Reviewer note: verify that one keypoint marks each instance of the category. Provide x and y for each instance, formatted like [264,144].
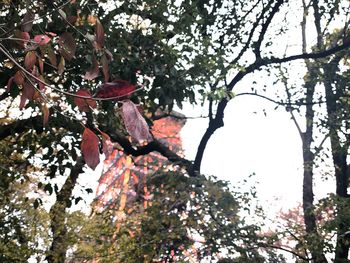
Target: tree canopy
[80,79]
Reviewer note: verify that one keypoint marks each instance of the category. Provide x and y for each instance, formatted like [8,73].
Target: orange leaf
[90,148]
[84,104]
[21,35]
[41,65]
[30,60]
[93,71]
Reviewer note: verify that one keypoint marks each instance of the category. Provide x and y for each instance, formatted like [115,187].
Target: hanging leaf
[19,77]
[100,34]
[61,66]
[46,113]
[135,124]
[52,56]
[84,104]
[41,65]
[105,68]
[93,71]
[9,84]
[90,148]
[21,35]
[27,22]
[118,89]
[67,45]
[42,40]
[28,92]
[30,60]
[41,84]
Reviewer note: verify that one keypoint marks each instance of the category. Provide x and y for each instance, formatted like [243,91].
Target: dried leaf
[61,66]
[42,40]
[100,34]
[117,89]
[46,112]
[67,45]
[135,124]
[84,104]
[30,60]
[90,148]
[93,71]
[27,22]
[105,68]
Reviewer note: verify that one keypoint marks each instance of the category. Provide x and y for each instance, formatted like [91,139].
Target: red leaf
[19,77]
[67,45]
[100,34]
[89,148]
[30,60]
[84,104]
[105,68]
[27,21]
[117,89]
[21,35]
[9,84]
[135,124]
[42,39]
[93,71]
[28,93]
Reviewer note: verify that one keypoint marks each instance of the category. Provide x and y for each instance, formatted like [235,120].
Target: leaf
[67,45]
[84,104]
[19,77]
[100,34]
[46,113]
[93,71]
[61,65]
[105,68]
[9,84]
[52,56]
[42,40]
[41,65]
[21,35]
[90,149]
[27,22]
[107,146]
[30,60]
[135,124]
[117,89]
[28,92]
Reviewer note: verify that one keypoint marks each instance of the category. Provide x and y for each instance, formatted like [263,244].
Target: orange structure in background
[123,178]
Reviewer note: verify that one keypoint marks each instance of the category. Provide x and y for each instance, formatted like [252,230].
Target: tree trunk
[59,245]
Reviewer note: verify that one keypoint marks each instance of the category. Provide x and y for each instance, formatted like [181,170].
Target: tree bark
[60,244]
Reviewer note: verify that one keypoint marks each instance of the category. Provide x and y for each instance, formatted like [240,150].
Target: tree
[69,65]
